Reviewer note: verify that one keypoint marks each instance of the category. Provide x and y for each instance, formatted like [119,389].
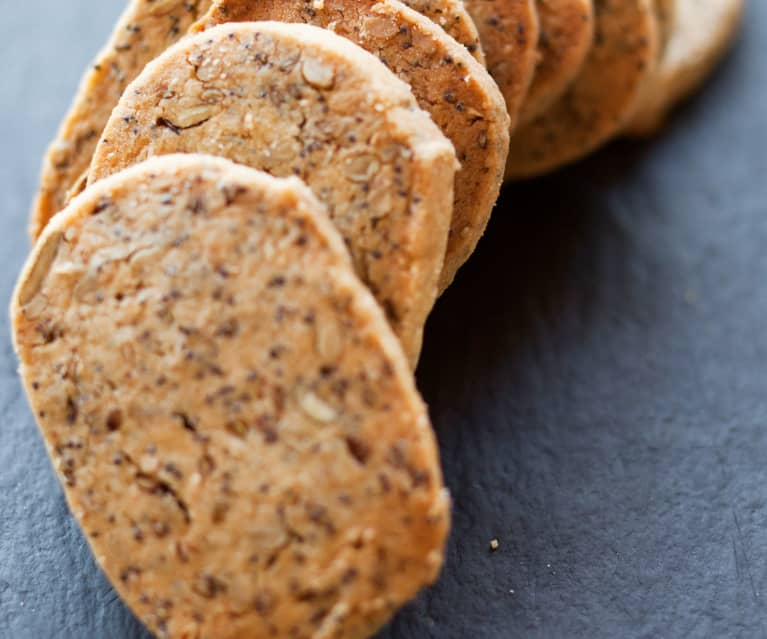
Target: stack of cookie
[242,227]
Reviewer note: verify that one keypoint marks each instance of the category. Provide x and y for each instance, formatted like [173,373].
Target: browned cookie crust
[146,29]
[567,33]
[509,31]
[233,421]
[456,90]
[293,99]
[603,96]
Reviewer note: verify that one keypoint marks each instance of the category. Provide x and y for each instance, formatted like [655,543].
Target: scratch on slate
[114,598]
[742,543]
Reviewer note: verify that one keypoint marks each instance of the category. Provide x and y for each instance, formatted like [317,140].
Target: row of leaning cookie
[509,29]
[443,72]
[573,75]
[217,387]
[233,421]
[646,56]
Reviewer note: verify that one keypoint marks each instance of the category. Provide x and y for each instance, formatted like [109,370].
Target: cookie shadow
[524,297]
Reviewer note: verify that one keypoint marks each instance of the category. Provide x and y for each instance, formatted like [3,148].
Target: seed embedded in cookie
[234,423]
[453,88]
[145,29]
[453,17]
[293,99]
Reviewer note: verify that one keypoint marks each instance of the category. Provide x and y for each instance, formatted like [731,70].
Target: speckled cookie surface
[234,423]
[293,99]
[509,32]
[601,99]
[701,32]
[146,28]
[453,17]
[453,88]
[567,33]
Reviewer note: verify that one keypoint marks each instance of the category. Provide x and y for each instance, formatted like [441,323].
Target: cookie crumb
[494,545]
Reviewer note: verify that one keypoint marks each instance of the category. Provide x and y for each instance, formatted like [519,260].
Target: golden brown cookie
[146,29]
[453,17]
[234,423]
[293,99]
[600,100]
[509,32]
[701,32]
[457,91]
[567,33]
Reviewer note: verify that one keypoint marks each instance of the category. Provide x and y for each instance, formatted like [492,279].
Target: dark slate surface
[596,378]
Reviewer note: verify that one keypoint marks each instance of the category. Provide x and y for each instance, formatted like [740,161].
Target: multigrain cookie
[509,32]
[455,89]
[234,423]
[567,33]
[293,99]
[146,29]
[701,32]
[601,99]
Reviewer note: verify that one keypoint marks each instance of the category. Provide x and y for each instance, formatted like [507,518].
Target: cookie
[234,423]
[701,33]
[293,99]
[567,33]
[455,89]
[604,95]
[665,11]
[146,29]
[452,16]
[509,31]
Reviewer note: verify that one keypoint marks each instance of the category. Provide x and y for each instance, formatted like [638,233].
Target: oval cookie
[567,33]
[458,93]
[293,99]
[600,100]
[701,32]
[234,423]
[509,32]
[146,29]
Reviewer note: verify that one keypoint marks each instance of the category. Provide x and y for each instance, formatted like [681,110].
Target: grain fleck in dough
[453,17]
[700,33]
[234,423]
[601,99]
[509,32]
[146,29]
[456,90]
[293,99]
[567,33]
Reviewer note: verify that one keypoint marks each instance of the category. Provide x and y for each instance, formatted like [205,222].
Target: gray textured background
[596,377]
